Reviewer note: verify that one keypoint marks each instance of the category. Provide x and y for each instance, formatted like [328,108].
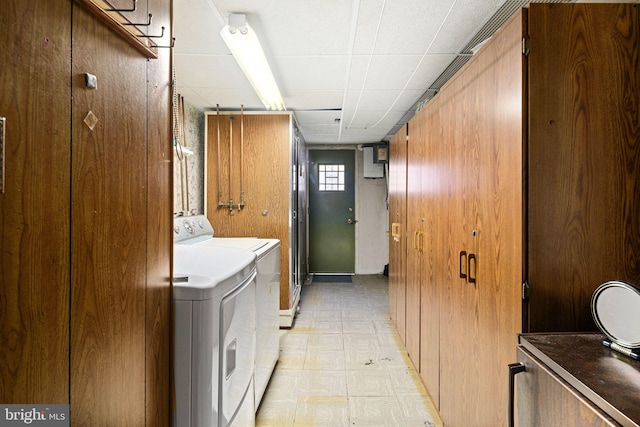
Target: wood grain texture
[415,226]
[584,158]
[109,230]
[34,209]
[267,182]
[544,399]
[158,334]
[397,214]
[470,199]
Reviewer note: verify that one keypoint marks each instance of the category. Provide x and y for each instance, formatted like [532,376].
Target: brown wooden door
[584,168]
[499,220]
[415,236]
[398,232]
[459,314]
[481,311]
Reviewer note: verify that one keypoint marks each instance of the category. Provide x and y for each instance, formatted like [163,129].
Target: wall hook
[157,37]
[143,25]
[134,7]
[173,42]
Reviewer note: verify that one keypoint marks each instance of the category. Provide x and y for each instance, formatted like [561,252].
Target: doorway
[332,211]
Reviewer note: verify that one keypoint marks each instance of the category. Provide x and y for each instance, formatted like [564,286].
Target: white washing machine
[214,336]
[197,230]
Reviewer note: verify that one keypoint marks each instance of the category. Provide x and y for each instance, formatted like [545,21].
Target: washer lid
[615,307]
[211,270]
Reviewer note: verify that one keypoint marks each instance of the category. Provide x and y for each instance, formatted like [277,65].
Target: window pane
[331,177]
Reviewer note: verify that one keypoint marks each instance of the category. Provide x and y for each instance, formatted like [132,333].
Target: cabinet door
[435,197]
[415,230]
[398,232]
[459,325]
[481,308]
[544,399]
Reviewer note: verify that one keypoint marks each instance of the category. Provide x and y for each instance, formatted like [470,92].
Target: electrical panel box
[371,169]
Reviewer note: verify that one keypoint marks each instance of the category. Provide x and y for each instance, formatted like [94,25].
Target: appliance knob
[176,229]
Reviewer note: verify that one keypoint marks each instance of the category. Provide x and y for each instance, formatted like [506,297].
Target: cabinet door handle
[514,368]
[415,235]
[470,258]
[463,254]
[421,242]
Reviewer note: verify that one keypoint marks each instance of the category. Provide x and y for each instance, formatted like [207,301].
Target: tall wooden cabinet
[398,234]
[266,177]
[523,169]
[85,215]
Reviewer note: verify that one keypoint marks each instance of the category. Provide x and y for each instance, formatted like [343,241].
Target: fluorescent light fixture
[245,48]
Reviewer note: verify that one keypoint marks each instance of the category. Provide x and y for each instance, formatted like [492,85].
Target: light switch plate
[91,81]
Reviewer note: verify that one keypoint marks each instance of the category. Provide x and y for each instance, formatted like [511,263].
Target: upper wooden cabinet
[524,168]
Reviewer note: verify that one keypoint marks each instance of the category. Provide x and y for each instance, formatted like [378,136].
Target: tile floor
[343,364]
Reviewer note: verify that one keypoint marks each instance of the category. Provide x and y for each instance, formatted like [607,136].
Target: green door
[331,211]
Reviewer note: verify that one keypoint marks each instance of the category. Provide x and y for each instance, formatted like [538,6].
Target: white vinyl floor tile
[343,364]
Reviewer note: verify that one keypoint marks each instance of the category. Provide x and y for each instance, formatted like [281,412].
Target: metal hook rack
[125,28]
[156,37]
[141,24]
[173,42]
[133,9]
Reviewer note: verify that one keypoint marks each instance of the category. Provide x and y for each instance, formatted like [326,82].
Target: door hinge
[525,290]
[525,45]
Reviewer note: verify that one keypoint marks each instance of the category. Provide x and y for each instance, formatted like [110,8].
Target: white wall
[190,169]
[372,242]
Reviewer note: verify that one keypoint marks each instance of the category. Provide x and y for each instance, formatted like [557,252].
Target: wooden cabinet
[398,231]
[267,167]
[572,379]
[510,181]
[85,290]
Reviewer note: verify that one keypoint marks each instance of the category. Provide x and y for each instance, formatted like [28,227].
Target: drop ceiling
[352,71]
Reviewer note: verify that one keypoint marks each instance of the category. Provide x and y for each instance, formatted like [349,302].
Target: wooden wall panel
[584,222]
[34,208]
[109,231]
[160,223]
[267,190]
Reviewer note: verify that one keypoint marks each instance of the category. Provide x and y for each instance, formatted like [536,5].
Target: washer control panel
[191,229]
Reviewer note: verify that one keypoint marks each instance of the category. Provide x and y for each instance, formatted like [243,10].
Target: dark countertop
[607,378]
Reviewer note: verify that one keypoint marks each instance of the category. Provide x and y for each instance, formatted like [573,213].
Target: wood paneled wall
[267,181]
[85,295]
[585,136]
[34,208]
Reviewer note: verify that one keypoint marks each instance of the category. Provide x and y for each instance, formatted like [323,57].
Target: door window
[331,177]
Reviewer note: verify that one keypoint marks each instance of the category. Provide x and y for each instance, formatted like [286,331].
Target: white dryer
[197,230]
[214,336]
